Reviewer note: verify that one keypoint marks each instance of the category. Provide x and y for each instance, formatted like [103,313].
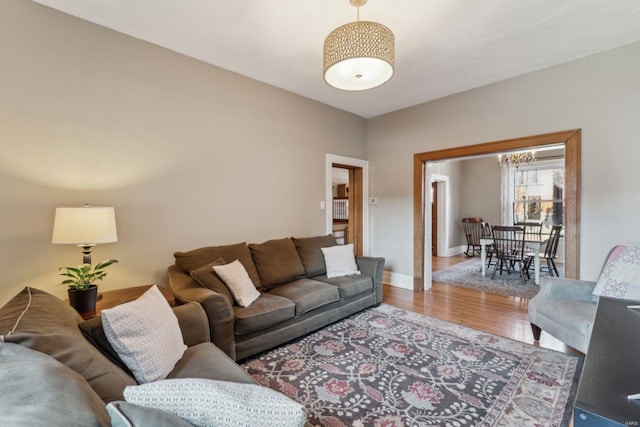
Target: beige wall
[598,94]
[189,154]
[480,192]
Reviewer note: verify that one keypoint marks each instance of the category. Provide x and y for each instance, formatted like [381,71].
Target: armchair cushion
[45,323]
[620,277]
[189,261]
[277,262]
[125,414]
[40,391]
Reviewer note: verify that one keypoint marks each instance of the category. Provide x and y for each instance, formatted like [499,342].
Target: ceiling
[442,46]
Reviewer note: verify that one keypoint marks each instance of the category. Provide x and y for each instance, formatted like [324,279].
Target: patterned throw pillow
[204,402]
[620,277]
[146,335]
[340,260]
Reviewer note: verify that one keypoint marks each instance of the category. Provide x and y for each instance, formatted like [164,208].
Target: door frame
[422,170]
[349,162]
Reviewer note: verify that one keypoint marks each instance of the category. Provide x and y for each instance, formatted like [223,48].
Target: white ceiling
[442,46]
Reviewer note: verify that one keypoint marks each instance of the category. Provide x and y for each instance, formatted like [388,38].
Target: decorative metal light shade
[359,55]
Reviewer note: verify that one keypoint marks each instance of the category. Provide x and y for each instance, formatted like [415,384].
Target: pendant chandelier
[358,55]
[517,159]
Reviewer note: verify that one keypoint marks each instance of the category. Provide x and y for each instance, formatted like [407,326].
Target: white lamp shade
[84,226]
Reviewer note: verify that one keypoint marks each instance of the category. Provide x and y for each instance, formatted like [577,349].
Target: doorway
[434,219]
[347,216]
[423,168]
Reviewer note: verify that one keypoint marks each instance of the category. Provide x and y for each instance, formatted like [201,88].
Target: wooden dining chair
[508,247]
[533,229]
[549,252]
[474,229]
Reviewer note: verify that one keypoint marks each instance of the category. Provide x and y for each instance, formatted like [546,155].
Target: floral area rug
[391,367]
[468,275]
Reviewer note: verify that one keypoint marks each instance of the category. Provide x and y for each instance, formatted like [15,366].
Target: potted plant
[81,281]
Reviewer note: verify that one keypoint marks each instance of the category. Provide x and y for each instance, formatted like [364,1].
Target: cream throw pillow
[235,276]
[340,260]
[204,402]
[146,335]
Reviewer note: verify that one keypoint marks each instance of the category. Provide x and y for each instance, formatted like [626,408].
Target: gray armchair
[564,308]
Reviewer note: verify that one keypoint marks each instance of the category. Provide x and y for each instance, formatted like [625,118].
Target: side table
[120,296]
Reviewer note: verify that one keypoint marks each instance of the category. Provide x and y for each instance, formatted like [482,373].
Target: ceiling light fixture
[517,159]
[359,55]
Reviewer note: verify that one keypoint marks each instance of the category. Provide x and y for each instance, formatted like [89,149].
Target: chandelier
[517,159]
[358,55]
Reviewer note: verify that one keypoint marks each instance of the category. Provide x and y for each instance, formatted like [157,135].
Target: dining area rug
[387,366]
[467,274]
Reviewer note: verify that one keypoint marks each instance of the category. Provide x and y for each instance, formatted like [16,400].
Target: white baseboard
[456,250]
[398,280]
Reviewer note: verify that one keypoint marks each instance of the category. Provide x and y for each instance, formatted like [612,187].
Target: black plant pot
[84,300]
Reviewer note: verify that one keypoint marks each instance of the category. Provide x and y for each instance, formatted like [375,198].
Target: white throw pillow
[204,402]
[235,276]
[340,260]
[146,335]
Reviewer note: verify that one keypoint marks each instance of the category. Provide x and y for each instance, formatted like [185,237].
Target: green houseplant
[81,281]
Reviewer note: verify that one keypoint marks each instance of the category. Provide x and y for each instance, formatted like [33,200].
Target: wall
[480,191]
[598,94]
[189,154]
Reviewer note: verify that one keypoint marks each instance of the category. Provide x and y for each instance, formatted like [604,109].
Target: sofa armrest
[216,306]
[193,322]
[571,289]
[374,267]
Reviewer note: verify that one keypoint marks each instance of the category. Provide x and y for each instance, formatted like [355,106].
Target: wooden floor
[498,314]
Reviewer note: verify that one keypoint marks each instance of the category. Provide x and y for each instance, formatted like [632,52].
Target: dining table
[532,242]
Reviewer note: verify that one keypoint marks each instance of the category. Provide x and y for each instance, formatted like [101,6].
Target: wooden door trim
[571,140]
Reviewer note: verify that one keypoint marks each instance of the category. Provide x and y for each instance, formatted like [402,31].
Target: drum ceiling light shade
[359,55]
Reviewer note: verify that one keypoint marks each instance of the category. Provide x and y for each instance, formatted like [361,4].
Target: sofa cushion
[125,414]
[146,335]
[50,326]
[40,391]
[266,311]
[208,278]
[340,260]
[277,262]
[189,261]
[349,286]
[235,276]
[309,249]
[308,294]
[205,360]
[204,402]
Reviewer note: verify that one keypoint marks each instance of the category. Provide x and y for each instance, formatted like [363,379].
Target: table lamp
[84,226]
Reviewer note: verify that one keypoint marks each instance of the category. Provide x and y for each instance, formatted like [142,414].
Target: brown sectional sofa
[296,296]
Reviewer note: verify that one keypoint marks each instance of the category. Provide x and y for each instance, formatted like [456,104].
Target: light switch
[323,206]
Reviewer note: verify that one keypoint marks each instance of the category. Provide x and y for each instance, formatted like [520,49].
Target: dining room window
[539,193]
